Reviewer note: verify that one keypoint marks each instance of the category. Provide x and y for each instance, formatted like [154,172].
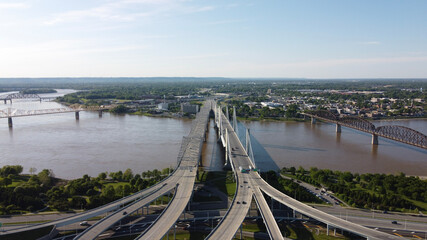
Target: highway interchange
[181,183]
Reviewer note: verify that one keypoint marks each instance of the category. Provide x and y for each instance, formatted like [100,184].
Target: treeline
[131,92]
[39,90]
[43,190]
[379,191]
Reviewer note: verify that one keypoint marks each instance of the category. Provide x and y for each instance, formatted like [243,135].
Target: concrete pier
[313,120]
[77,115]
[374,139]
[338,128]
[5,101]
[100,113]
[9,120]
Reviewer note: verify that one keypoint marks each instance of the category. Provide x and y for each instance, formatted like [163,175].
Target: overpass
[397,133]
[249,186]
[255,186]
[181,181]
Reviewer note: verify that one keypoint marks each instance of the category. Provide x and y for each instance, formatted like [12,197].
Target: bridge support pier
[327,229]
[313,120]
[5,101]
[338,128]
[100,113]
[374,139]
[77,115]
[9,121]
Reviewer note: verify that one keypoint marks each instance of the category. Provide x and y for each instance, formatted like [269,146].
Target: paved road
[241,159]
[317,214]
[182,180]
[88,214]
[233,219]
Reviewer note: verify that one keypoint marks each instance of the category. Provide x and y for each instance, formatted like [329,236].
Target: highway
[91,213]
[189,156]
[317,214]
[185,184]
[239,157]
[182,180]
[234,217]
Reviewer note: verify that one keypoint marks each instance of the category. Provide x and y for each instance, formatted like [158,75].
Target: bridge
[10,113]
[397,133]
[19,95]
[181,183]
[251,185]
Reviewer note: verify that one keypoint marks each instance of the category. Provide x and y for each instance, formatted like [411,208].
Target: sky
[214,38]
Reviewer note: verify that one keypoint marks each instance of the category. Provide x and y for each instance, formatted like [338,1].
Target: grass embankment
[379,191]
[34,234]
[224,181]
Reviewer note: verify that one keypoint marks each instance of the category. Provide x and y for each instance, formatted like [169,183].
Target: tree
[128,175]
[291,111]
[45,177]
[102,176]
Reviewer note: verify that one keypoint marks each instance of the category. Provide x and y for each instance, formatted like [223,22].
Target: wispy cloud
[68,47]
[226,22]
[13,5]
[127,11]
[203,56]
[370,43]
[349,61]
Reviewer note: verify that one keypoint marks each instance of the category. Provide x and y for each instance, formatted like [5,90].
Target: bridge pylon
[338,128]
[9,121]
[313,120]
[235,121]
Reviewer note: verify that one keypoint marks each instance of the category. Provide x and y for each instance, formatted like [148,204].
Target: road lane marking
[397,234]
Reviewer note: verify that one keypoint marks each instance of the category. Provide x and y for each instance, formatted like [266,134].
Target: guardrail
[160,215]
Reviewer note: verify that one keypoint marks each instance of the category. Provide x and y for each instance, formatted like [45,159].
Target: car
[245,181]
[84,223]
[385,211]
[238,202]
[393,222]
[244,202]
[124,213]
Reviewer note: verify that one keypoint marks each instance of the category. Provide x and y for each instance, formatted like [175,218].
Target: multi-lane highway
[231,222]
[184,174]
[182,180]
[255,181]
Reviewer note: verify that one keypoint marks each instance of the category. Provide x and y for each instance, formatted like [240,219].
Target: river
[302,144]
[92,144]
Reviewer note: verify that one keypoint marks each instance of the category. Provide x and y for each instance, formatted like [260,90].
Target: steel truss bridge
[11,96]
[181,183]
[397,133]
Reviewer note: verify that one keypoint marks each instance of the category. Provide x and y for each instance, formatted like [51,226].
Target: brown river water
[92,145]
